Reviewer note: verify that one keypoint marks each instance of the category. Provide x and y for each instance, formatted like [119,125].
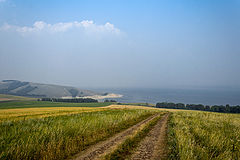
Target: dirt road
[154,145]
[105,147]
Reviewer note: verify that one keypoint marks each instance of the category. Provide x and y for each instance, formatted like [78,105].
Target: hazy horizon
[122,44]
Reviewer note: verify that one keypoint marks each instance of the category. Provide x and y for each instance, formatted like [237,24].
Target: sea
[186,96]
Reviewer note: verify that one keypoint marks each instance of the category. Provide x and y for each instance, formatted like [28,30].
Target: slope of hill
[30,89]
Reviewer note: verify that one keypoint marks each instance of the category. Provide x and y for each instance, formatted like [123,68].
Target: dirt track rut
[154,145]
[105,147]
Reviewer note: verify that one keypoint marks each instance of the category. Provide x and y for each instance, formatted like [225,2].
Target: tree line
[214,108]
[70,100]
[106,100]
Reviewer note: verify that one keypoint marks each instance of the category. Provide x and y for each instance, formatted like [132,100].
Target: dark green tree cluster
[106,100]
[215,108]
[71,100]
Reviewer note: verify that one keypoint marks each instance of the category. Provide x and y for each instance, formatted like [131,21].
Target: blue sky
[138,43]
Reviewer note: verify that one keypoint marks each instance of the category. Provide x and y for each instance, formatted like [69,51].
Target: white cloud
[39,26]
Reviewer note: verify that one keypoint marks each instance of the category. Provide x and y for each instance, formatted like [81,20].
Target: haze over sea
[187,96]
[126,44]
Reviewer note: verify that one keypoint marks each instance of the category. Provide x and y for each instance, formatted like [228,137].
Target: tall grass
[204,135]
[27,113]
[63,136]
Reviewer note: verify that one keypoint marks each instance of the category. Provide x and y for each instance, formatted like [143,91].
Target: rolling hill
[38,90]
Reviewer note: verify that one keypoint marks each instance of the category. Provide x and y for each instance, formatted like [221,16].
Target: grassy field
[59,137]
[23,110]
[204,135]
[39,104]
[30,113]
[139,104]
[5,97]
[48,130]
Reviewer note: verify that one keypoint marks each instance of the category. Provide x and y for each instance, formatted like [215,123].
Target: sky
[120,43]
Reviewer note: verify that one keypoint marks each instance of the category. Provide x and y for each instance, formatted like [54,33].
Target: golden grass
[130,107]
[148,108]
[193,134]
[60,137]
[26,113]
[201,135]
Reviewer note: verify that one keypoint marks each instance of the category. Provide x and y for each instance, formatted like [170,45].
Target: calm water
[207,97]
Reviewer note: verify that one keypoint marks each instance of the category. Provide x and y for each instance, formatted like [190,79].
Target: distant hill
[38,90]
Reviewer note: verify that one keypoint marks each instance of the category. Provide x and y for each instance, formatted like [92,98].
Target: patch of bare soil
[105,147]
[154,145]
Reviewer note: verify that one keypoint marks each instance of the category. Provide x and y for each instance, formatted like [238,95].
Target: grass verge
[172,140]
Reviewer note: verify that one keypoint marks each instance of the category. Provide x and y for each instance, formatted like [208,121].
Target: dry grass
[204,135]
[59,132]
[130,107]
[27,113]
[58,137]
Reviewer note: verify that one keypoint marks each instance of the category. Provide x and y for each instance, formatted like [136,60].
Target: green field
[204,135]
[38,104]
[5,97]
[63,136]
[139,104]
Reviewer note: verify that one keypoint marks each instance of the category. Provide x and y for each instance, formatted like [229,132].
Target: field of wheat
[61,136]
[29,113]
[204,135]
[42,130]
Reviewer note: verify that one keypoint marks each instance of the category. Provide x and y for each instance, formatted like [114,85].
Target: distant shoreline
[110,95]
[100,97]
